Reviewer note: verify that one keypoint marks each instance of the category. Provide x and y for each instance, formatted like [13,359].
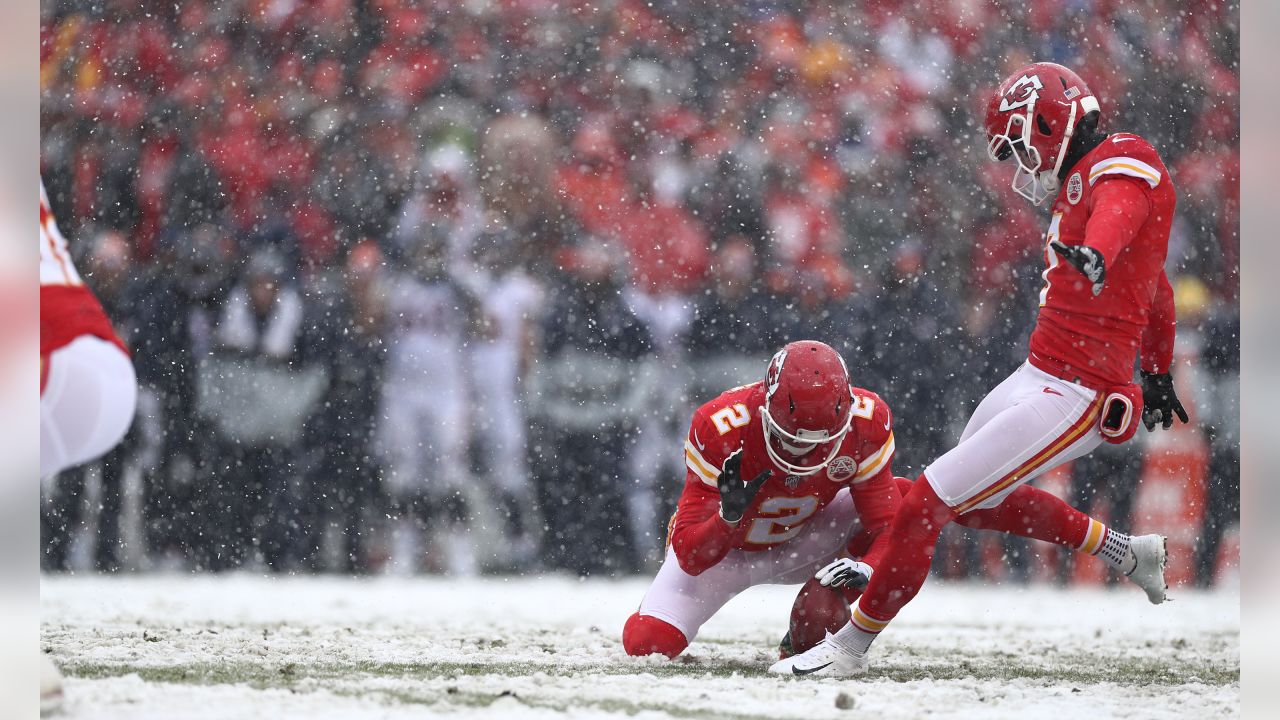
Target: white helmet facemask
[1029,180]
[801,443]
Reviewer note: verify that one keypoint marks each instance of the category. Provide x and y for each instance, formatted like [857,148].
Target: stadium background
[667,191]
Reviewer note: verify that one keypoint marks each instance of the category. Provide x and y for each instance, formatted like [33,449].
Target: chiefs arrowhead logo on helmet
[808,406]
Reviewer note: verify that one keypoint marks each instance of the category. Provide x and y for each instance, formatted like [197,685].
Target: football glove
[1159,402]
[1085,259]
[736,495]
[845,572]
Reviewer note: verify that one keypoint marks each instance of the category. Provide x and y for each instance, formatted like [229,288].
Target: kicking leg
[1033,513]
[1045,421]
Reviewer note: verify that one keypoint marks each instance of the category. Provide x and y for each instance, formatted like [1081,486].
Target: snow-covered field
[142,647]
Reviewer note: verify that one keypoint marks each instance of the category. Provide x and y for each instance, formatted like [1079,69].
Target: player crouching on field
[784,478]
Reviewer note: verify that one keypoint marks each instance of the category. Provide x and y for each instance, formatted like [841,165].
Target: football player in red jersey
[87,384]
[786,477]
[1106,302]
[782,475]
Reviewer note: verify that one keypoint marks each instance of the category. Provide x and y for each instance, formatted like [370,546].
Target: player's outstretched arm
[1088,261]
[1159,401]
[1117,211]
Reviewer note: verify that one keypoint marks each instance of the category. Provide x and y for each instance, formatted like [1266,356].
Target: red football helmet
[1031,118]
[808,406]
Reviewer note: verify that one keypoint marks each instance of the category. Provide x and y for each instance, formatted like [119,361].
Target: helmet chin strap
[1066,140]
[1038,185]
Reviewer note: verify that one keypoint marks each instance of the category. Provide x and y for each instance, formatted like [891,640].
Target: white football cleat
[825,659]
[1148,572]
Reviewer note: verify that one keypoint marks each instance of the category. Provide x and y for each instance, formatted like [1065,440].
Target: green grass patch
[1056,670]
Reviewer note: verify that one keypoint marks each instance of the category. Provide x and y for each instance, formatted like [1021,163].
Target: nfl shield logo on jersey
[1075,188]
[793,481]
[842,468]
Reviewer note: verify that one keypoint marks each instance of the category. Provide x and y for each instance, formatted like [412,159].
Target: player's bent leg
[913,537]
[913,540]
[647,635]
[1033,513]
[1028,511]
[686,602]
[87,403]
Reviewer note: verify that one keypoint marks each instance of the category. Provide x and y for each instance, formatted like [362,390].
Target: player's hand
[845,572]
[736,495]
[1159,402]
[1085,259]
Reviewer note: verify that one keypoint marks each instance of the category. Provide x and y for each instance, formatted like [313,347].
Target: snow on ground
[240,646]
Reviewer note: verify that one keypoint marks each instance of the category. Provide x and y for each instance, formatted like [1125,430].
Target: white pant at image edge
[87,403]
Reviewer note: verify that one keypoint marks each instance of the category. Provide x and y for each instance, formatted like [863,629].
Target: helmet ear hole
[1089,123]
[1043,126]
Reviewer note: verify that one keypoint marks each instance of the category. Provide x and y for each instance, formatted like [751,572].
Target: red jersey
[1119,200]
[67,308]
[785,502]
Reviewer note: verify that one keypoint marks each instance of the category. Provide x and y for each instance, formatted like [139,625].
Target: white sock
[1115,551]
[854,639]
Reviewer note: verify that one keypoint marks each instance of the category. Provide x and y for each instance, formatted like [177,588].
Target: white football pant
[1029,424]
[687,601]
[87,404]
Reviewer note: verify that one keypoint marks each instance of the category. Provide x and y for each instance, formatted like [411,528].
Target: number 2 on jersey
[731,417]
[788,516]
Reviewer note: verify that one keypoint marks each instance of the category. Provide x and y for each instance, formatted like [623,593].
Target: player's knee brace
[647,635]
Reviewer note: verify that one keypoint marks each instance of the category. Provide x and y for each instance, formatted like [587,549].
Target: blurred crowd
[434,286]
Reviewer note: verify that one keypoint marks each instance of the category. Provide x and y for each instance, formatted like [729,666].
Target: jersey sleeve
[1157,340]
[1122,178]
[1126,155]
[874,494]
[874,424]
[695,459]
[1118,209]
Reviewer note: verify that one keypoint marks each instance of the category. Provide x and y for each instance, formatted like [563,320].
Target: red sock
[1033,513]
[905,564]
[646,635]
